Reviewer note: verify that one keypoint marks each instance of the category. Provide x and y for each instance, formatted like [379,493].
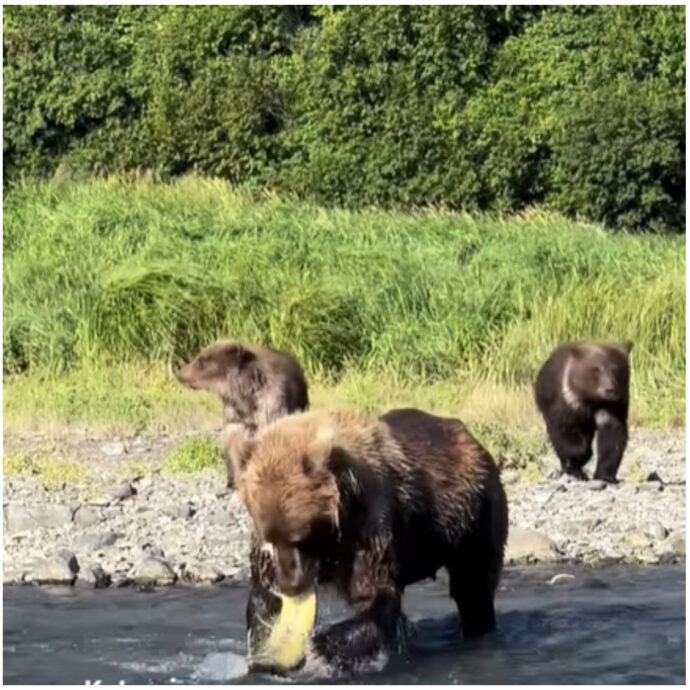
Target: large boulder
[527,546]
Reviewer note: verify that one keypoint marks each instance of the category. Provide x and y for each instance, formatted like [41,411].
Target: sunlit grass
[107,282]
[194,455]
[50,471]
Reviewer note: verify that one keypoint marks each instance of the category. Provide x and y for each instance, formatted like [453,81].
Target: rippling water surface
[612,625]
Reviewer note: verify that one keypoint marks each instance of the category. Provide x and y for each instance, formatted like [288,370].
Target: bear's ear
[234,356]
[576,352]
[240,445]
[627,346]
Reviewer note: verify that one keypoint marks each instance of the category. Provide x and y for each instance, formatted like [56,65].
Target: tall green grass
[124,271]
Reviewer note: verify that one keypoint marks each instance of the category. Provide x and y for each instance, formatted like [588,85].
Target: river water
[621,624]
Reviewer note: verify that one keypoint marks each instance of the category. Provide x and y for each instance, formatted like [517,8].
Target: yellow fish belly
[287,643]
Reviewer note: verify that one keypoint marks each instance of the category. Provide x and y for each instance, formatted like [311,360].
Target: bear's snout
[296,572]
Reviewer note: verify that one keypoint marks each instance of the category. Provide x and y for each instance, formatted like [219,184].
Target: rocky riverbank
[130,522]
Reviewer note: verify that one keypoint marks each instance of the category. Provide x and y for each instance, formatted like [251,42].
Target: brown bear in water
[373,506]
[257,385]
[583,389]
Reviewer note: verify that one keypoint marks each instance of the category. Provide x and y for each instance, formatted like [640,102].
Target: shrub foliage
[474,107]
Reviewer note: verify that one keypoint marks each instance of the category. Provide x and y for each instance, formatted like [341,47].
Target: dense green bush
[70,84]
[620,156]
[371,92]
[216,105]
[475,107]
[121,271]
[575,117]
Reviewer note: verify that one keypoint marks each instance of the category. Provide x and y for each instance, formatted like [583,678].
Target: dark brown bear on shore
[372,506]
[256,386]
[583,389]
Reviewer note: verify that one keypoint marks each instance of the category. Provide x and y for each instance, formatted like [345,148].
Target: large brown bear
[256,385]
[372,506]
[583,389]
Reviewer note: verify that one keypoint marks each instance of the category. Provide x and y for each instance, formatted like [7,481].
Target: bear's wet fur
[583,389]
[372,506]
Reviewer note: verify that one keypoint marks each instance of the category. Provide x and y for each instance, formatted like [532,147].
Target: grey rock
[20,518]
[93,577]
[124,491]
[565,481]
[509,477]
[241,571]
[647,557]
[673,545]
[121,580]
[113,449]
[219,516]
[598,500]
[97,540]
[527,546]
[12,575]
[70,559]
[651,486]
[138,445]
[100,501]
[154,571]
[201,571]
[113,512]
[596,485]
[153,551]
[657,531]
[637,541]
[86,517]
[51,571]
[180,511]
[582,526]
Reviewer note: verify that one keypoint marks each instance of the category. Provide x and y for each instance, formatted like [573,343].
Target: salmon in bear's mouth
[279,630]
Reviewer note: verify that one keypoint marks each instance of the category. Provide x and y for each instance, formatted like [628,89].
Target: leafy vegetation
[194,455]
[52,472]
[107,283]
[489,108]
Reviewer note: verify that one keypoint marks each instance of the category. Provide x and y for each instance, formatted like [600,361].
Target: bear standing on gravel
[372,506]
[256,386]
[583,389]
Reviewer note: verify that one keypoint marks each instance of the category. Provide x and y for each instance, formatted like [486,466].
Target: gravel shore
[141,527]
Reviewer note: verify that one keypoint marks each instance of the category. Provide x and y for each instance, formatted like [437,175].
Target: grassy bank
[106,282]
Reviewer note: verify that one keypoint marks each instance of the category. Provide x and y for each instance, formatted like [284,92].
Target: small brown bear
[583,389]
[256,386]
[372,506]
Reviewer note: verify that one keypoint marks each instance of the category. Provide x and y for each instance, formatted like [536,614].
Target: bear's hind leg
[473,581]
